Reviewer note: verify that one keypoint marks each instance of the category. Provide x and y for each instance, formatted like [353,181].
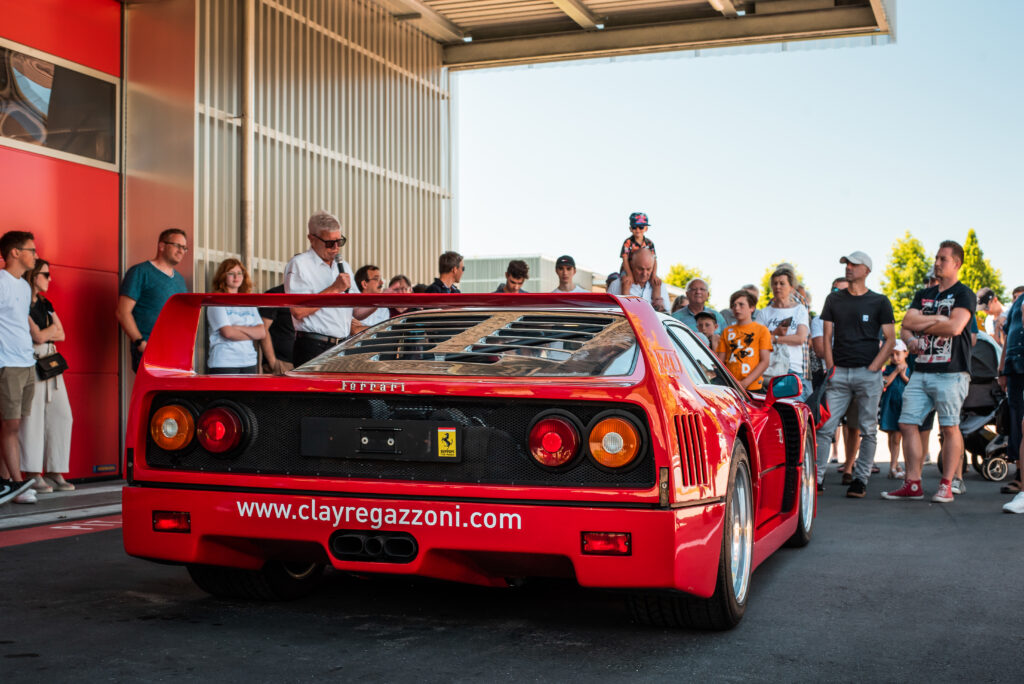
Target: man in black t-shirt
[940,319]
[854,319]
[450,269]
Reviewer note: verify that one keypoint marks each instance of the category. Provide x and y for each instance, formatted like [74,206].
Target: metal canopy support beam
[578,12]
[425,19]
[841,21]
[880,15]
[726,7]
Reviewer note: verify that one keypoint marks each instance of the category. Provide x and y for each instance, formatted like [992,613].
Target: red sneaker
[910,491]
[945,493]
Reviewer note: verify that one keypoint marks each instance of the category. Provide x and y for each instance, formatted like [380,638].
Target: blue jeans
[1015,402]
[848,385]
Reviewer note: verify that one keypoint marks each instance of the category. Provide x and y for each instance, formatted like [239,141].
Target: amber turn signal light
[614,442]
[172,427]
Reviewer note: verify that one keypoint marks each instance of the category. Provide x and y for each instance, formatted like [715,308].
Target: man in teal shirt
[147,287]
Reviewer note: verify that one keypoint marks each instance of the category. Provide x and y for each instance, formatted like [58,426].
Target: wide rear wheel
[275,581]
[723,609]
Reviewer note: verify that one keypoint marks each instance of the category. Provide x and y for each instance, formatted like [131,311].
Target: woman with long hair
[233,329]
[45,434]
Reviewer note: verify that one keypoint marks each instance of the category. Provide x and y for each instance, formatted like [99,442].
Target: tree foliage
[680,274]
[905,273]
[766,282]
[977,271]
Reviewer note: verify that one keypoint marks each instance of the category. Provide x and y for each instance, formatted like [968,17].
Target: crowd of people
[850,353]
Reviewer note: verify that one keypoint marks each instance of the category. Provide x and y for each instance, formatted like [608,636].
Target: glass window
[709,366]
[55,107]
[688,365]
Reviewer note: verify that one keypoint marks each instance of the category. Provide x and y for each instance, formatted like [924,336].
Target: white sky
[742,160]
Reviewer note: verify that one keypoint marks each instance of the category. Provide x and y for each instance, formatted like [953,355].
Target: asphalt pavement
[885,592]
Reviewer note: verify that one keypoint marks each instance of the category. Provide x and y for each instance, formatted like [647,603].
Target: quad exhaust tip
[373,547]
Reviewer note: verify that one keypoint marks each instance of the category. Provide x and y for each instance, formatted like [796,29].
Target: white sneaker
[958,486]
[1016,504]
[26,497]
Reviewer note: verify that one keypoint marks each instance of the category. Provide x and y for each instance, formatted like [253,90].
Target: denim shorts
[944,392]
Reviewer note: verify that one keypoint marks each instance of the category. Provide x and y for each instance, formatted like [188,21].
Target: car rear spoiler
[172,344]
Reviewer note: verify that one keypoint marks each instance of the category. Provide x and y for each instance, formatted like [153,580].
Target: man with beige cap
[854,321]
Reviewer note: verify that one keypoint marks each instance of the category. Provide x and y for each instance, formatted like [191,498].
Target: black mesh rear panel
[493,452]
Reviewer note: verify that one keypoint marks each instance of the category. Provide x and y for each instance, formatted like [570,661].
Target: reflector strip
[607,543]
[172,521]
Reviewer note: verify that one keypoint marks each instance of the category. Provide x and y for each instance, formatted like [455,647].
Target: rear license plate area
[389,440]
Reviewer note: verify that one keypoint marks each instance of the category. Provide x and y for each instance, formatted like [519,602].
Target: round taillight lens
[219,429]
[553,442]
[172,427]
[614,442]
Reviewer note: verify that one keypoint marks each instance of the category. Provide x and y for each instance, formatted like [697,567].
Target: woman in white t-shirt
[787,320]
[233,329]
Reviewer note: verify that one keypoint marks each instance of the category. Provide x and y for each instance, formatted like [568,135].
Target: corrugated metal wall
[351,116]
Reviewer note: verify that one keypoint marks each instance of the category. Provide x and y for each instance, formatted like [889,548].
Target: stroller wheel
[995,469]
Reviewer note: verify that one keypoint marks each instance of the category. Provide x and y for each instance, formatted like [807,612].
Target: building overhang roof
[484,33]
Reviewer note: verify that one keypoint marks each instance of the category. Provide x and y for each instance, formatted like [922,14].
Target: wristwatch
[136,343]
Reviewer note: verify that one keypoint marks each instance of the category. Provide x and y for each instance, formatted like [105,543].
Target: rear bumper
[475,542]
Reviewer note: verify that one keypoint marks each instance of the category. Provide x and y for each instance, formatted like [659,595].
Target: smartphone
[786,322]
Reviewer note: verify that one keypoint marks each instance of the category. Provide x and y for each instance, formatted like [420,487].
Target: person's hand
[343,282]
[874,367]
[655,281]
[142,346]
[780,331]
[1002,382]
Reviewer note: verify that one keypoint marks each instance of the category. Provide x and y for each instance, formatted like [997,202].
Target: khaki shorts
[17,387]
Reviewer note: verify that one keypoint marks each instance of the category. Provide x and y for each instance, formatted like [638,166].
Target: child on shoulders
[638,225]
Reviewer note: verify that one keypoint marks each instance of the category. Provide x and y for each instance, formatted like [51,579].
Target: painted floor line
[58,516]
[65,528]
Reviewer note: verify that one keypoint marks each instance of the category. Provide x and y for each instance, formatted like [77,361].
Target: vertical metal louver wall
[351,115]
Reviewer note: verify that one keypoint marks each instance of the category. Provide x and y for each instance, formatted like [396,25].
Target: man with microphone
[321,270]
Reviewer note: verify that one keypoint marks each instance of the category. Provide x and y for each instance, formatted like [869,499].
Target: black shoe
[821,487]
[847,478]
[10,489]
[857,489]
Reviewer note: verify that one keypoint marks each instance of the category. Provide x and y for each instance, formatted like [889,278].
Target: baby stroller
[984,416]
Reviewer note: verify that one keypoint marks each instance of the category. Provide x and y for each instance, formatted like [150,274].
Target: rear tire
[723,609]
[808,496]
[275,581]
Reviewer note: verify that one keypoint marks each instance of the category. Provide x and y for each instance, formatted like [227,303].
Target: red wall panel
[85,301]
[95,432]
[86,32]
[71,208]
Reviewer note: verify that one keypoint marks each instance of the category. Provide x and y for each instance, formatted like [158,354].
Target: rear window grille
[500,342]
[692,453]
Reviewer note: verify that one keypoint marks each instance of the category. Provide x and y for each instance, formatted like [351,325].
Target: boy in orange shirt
[745,348]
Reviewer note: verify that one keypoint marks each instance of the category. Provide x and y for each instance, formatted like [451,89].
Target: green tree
[905,273]
[977,271]
[766,282]
[680,274]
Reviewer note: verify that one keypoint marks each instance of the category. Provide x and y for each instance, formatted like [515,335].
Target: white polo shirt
[15,340]
[307,272]
[379,315]
[646,291]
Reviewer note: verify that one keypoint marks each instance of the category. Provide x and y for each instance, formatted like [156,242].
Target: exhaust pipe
[374,547]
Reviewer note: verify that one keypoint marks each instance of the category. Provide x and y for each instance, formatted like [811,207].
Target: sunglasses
[45,274]
[331,244]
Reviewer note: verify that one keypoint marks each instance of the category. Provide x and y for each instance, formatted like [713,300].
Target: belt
[319,338]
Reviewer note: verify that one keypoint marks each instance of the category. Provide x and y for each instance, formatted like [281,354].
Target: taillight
[554,441]
[219,429]
[172,427]
[614,442]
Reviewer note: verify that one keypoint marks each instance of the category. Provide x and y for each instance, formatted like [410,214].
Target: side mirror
[783,387]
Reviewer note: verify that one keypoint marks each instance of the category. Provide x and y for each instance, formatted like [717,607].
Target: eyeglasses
[27,249]
[331,244]
[45,274]
[183,248]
